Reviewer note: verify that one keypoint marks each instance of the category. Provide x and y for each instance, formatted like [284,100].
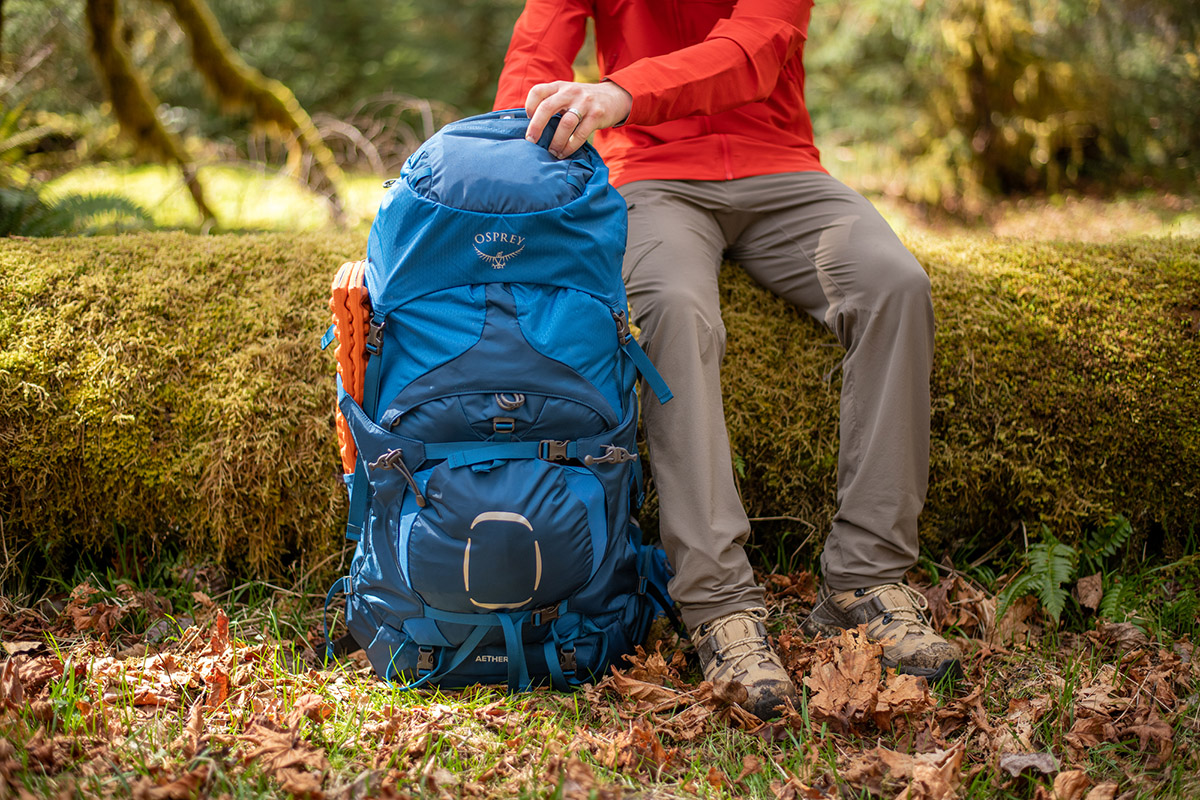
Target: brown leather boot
[735,648]
[895,617]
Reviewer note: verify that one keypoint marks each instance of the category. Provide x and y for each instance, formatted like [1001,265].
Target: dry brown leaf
[795,789]
[877,769]
[639,747]
[314,706]
[22,648]
[163,786]
[1103,791]
[220,638]
[689,724]
[716,779]
[1087,732]
[1016,763]
[1014,626]
[846,685]
[1125,636]
[1070,785]
[935,776]
[641,691]
[1152,730]
[1089,591]
[12,691]
[751,765]
[901,695]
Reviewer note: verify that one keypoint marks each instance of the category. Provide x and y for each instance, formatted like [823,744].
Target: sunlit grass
[242,198]
[245,198]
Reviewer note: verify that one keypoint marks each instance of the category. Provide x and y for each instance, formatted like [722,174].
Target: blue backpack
[497,473]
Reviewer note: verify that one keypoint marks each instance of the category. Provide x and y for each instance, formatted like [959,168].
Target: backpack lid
[477,204]
[488,166]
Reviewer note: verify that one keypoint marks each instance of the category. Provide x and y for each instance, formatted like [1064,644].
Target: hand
[585,107]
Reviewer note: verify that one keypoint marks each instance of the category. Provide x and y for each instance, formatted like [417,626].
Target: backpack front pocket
[519,535]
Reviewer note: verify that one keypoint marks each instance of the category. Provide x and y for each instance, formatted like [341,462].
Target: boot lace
[725,652]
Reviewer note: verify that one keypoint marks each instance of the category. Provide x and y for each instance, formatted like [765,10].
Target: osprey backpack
[487,417]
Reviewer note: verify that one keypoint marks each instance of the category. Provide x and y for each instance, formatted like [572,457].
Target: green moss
[170,386]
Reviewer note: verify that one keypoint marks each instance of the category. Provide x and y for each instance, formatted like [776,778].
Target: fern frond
[91,213]
[1051,564]
[1110,538]
[1019,587]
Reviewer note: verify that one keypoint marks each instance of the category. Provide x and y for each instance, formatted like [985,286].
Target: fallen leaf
[1125,636]
[314,706]
[642,691]
[901,695]
[12,692]
[751,765]
[716,779]
[162,786]
[935,776]
[1088,732]
[1089,591]
[1103,791]
[1070,785]
[220,639]
[1014,626]
[845,684]
[22,648]
[1153,730]
[1016,763]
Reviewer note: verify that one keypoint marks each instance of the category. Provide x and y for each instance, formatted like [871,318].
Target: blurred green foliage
[946,102]
[962,99]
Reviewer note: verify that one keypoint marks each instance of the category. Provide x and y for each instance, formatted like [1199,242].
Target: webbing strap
[646,367]
[518,672]
[465,649]
[342,584]
[330,335]
[557,678]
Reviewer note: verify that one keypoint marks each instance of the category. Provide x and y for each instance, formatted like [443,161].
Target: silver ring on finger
[578,114]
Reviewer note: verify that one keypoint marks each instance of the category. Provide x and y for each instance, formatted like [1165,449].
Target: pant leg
[826,249]
[671,268]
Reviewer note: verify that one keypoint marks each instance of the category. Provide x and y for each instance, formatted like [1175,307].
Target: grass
[191,687]
[243,198]
[246,198]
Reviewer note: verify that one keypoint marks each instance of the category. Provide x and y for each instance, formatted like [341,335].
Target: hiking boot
[895,618]
[735,648]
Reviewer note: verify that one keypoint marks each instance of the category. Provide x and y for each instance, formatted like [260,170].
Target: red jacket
[717,85]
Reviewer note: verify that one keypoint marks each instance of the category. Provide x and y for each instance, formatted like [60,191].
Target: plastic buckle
[623,331]
[566,660]
[642,581]
[552,450]
[424,659]
[503,424]
[540,616]
[374,338]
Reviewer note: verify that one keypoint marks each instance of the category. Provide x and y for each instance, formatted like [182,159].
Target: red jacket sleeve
[545,41]
[739,62]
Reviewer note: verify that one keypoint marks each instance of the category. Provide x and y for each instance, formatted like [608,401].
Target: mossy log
[168,389]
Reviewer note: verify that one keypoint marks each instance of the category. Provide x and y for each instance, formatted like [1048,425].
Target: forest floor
[194,689]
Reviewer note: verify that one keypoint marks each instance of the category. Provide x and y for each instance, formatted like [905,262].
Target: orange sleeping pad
[351,319]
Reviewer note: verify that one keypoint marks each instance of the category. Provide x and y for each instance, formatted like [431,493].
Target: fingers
[574,129]
[584,108]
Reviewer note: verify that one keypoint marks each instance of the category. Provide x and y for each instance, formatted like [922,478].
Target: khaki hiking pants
[823,247]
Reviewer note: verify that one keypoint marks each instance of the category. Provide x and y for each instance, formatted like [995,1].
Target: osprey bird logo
[499,259]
